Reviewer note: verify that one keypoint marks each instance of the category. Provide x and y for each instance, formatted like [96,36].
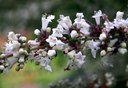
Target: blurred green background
[25,15]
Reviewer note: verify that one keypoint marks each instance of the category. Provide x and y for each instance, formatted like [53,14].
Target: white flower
[94,46]
[65,22]
[12,36]
[12,46]
[79,15]
[102,36]
[16,45]
[51,40]
[57,32]
[51,53]
[36,31]
[44,62]
[79,58]
[62,30]
[71,54]
[48,67]
[8,46]
[108,26]
[74,34]
[97,16]
[85,28]
[59,45]
[45,21]
[79,20]
[122,50]
[119,15]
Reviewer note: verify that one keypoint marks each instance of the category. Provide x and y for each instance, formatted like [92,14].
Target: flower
[12,36]
[33,43]
[97,16]
[45,21]
[79,20]
[44,61]
[108,26]
[65,22]
[79,58]
[57,32]
[94,46]
[59,45]
[51,40]
[85,28]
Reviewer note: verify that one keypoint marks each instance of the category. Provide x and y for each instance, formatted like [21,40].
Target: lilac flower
[44,62]
[57,32]
[97,16]
[12,36]
[45,21]
[65,22]
[59,45]
[108,26]
[79,20]
[94,46]
[79,58]
[51,40]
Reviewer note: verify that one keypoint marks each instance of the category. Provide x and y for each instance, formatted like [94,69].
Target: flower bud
[51,53]
[123,45]
[102,36]
[37,32]
[74,34]
[48,29]
[2,67]
[21,50]
[103,53]
[109,49]
[21,59]
[23,39]
[119,15]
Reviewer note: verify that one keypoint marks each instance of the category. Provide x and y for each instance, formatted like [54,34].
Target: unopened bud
[2,67]
[48,29]
[23,39]
[37,32]
[123,45]
[51,53]
[103,53]
[109,49]
[102,36]
[74,34]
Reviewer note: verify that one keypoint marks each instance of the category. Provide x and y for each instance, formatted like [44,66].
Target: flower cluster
[71,38]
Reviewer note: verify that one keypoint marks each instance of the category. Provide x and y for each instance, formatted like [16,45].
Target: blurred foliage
[26,14]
